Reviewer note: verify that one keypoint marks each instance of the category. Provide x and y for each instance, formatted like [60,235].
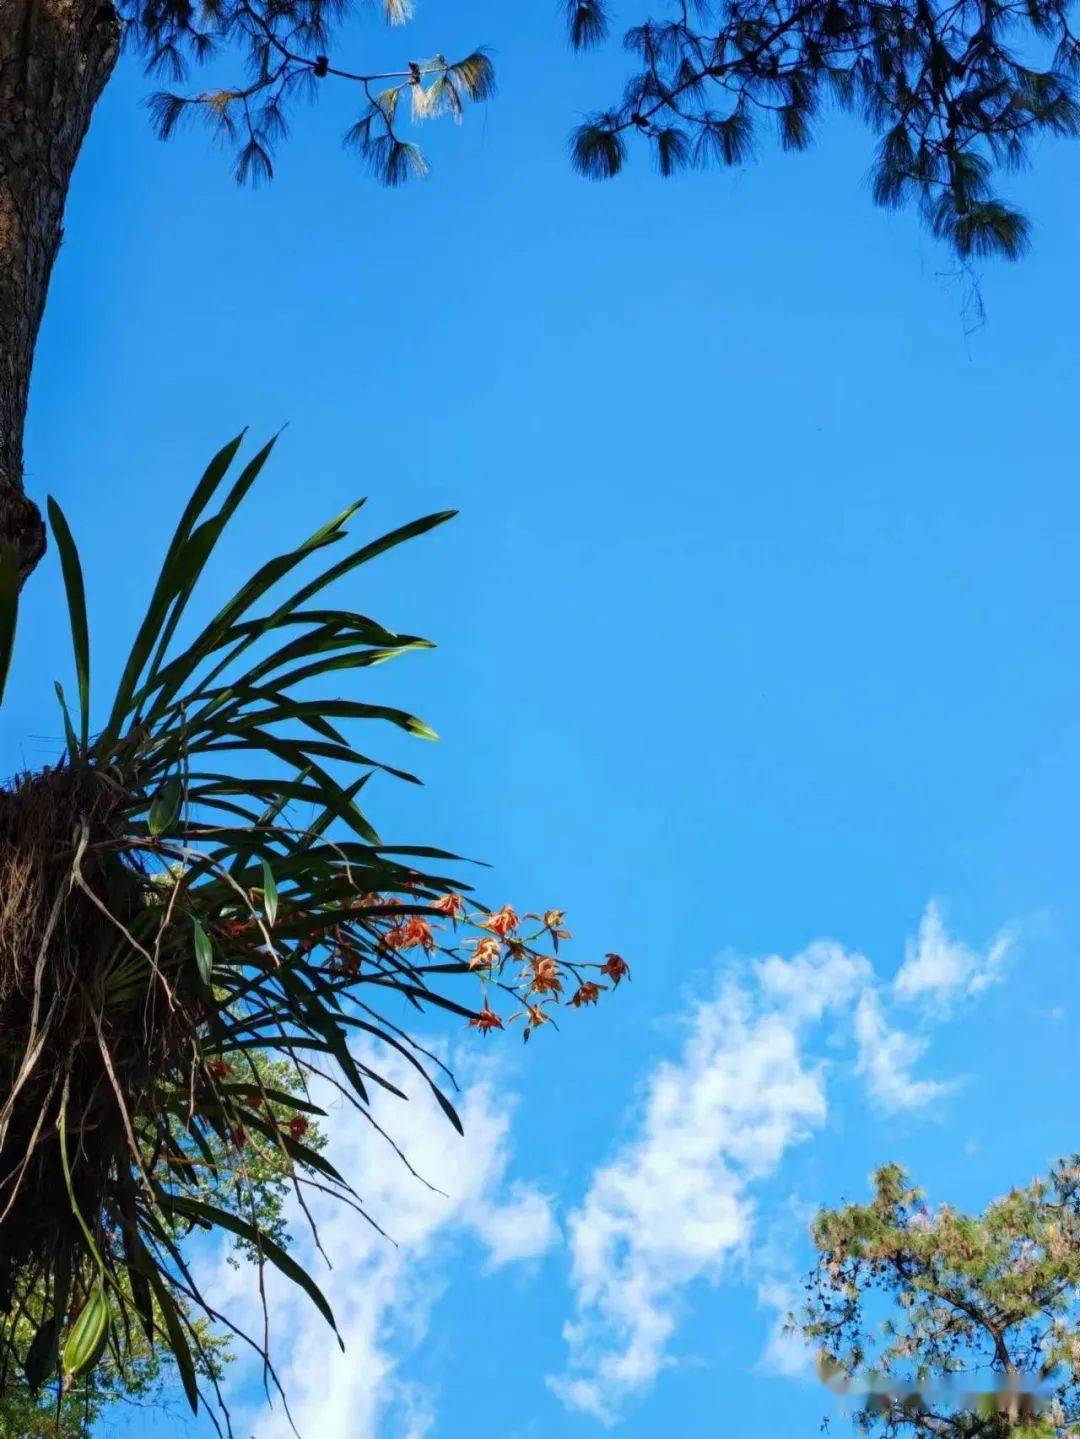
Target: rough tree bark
[55,57]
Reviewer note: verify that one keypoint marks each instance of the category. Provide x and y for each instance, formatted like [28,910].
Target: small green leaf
[204,952]
[270,894]
[165,810]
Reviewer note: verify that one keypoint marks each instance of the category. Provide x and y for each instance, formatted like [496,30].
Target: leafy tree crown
[925,1313]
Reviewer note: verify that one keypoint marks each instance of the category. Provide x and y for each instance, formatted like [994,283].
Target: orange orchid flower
[409,934]
[615,967]
[486,1020]
[587,993]
[298,1126]
[545,976]
[486,953]
[555,924]
[503,922]
[420,932]
[535,1017]
[450,904]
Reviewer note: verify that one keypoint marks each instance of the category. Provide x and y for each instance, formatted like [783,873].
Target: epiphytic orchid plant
[170,922]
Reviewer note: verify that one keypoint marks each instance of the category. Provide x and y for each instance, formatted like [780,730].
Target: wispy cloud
[939,967]
[785,1353]
[887,1057]
[676,1203]
[382,1294]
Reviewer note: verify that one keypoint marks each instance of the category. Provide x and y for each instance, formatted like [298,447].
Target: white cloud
[823,976]
[941,968]
[382,1294]
[887,1057]
[676,1203]
[785,1353]
[520,1227]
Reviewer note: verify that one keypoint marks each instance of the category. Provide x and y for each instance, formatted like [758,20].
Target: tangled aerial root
[81,1057]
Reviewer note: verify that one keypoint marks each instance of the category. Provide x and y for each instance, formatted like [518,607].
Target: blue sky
[757,628]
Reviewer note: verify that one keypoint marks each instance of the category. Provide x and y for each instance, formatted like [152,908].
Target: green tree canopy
[939,1323]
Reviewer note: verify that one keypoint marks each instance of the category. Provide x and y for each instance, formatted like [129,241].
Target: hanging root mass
[92,1032]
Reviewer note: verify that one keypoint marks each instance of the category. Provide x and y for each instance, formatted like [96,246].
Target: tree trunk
[55,57]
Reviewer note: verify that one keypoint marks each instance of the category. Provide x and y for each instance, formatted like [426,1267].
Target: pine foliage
[281,49]
[935,1324]
[956,91]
